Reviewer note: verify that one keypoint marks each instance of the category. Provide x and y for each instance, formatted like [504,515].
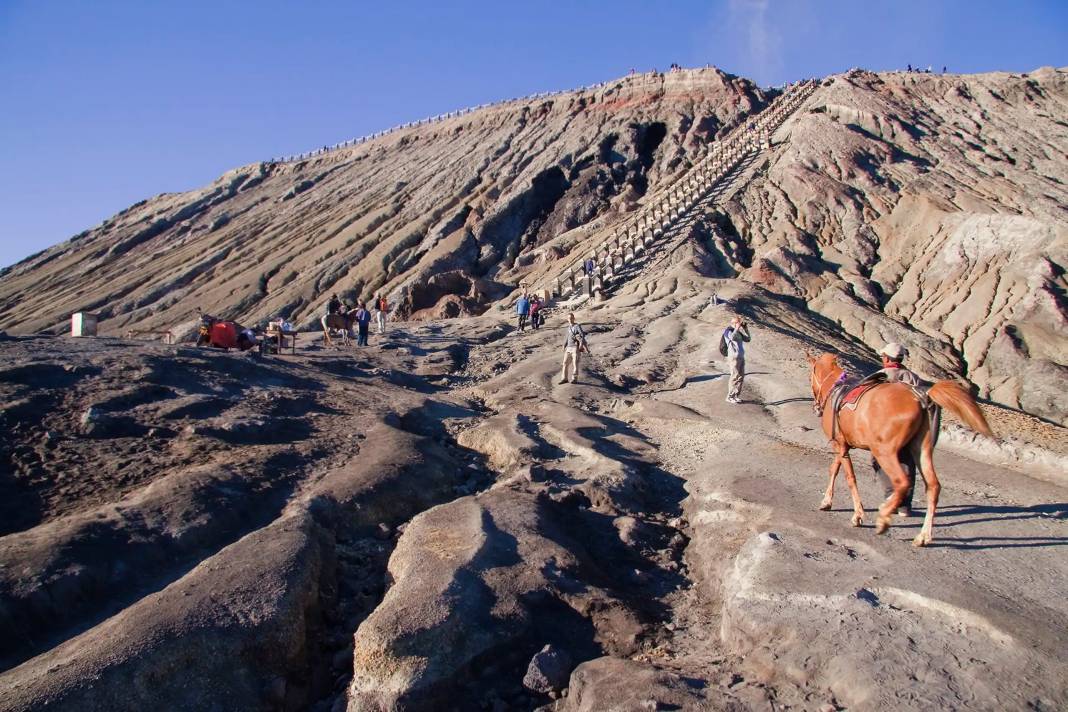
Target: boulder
[610,683]
[548,670]
[487,578]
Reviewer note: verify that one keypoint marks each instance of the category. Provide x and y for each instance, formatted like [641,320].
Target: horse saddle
[854,394]
[848,393]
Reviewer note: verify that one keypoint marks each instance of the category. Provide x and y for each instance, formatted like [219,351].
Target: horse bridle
[818,403]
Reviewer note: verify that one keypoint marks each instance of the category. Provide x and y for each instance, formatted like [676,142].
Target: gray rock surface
[548,670]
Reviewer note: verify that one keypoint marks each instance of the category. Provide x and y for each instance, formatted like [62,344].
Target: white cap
[894,351]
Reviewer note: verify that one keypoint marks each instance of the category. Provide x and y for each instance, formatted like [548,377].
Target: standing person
[535,311]
[893,358]
[732,345]
[574,345]
[363,324]
[522,309]
[589,266]
[381,309]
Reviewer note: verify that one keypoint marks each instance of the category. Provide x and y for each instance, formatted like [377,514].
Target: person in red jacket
[535,312]
[381,309]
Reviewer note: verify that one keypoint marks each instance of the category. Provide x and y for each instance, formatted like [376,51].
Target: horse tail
[953,396]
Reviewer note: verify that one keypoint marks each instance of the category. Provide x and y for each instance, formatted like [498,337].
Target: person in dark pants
[363,324]
[522,310]
[535,312]
[893,356]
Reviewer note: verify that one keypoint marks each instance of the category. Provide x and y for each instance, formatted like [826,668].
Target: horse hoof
[882,525]
[921,540]
[825,506]
[857,520]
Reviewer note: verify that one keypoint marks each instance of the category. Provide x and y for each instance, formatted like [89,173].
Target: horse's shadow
[962,514]
[957,514]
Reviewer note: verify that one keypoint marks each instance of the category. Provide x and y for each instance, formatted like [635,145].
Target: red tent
[224,335]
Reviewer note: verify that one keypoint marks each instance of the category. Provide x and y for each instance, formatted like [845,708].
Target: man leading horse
[892,421]
[894,371]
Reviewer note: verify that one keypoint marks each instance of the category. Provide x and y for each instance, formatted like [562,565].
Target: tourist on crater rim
[574,345]
[732,345]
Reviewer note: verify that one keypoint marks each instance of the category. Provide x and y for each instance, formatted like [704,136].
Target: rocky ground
[434,522]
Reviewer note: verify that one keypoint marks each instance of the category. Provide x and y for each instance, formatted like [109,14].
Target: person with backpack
[381,309]
[732,345]
[522,309]
[574,346]
[363,324]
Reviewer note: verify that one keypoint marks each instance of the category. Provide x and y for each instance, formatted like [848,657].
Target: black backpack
[723,342]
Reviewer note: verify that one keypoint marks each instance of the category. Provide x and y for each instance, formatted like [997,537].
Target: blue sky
[105,103]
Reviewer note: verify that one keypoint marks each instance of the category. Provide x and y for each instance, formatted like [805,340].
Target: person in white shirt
[574,346]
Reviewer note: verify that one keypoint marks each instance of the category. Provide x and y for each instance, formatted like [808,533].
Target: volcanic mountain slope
[931,210]
[926,209]
[420,214]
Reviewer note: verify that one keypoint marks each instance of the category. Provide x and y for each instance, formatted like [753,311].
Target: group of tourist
[360,316]
[529,308]
[917,70]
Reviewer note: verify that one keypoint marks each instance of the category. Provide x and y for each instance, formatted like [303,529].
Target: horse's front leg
[828,496]
[851,480]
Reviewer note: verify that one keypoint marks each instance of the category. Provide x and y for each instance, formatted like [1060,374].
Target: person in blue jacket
[363,324]
[522,309]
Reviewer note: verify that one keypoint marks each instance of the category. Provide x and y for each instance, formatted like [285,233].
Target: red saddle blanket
[854,394]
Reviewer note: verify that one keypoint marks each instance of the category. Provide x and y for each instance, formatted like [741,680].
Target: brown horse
[338,322]
[889,419]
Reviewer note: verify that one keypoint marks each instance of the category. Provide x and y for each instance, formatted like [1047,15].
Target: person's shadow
[701,378]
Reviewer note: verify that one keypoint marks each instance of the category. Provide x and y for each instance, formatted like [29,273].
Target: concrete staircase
[659,228]
[675,236]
